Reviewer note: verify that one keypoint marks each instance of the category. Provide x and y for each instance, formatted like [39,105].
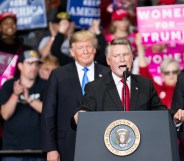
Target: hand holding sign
[64,26]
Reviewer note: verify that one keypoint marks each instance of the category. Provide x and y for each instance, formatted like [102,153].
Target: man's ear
[72,53]
[20,66]
[107,60]
[95,51]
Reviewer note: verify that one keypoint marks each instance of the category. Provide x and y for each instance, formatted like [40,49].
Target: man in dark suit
[64,95]
[106,94]
[178,107]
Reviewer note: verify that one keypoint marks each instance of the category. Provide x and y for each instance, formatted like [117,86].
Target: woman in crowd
[169,69]
[120,27]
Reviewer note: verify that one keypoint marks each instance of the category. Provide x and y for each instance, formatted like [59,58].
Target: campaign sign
[30,14]
[155,59]
[83,12]
[7,66]
[159,24]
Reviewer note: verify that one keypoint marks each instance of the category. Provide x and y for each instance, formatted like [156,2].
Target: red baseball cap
[119,14]
[167,2]
[7,14]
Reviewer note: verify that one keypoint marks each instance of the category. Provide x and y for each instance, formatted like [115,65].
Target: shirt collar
[80,68]
[117,79]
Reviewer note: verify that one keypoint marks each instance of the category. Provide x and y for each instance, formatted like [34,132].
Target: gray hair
[118,41]
[166,62]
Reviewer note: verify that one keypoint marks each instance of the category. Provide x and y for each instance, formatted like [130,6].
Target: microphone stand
[125,76]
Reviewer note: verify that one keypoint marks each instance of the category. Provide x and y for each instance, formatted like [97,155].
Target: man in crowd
[64,95]
[21,107]
[178,105]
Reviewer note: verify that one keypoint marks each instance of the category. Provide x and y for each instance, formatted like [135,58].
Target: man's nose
[9,24]
[122,57]
[85,50]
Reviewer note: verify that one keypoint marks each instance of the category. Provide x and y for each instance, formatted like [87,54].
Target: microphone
[126,74]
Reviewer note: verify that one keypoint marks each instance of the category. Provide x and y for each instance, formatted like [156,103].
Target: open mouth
[122,66]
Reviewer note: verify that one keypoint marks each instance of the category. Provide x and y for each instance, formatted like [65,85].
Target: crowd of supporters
[53,47]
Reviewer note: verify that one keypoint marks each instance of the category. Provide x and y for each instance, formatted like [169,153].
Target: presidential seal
[122,137]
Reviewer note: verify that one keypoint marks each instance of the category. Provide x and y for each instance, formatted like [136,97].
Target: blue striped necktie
[84,79]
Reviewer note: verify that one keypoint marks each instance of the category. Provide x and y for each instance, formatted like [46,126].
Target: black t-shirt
[13,45]
[23,129]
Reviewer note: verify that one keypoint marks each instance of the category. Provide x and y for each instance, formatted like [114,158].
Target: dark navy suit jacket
[60,103]
[102,95]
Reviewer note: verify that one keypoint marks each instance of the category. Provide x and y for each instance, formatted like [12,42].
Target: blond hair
[50,59]
[83,35]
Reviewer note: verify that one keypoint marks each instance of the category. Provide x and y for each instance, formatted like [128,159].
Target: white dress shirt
[119,84]
[90,72]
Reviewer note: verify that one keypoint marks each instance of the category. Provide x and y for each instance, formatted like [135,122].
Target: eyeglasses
[174,72]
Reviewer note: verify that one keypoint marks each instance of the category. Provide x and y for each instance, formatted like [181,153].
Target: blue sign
[30,14]
[83,12]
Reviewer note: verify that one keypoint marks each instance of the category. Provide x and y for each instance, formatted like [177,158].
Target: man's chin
[87,63]
[119,74]
[121,70]
[32,77]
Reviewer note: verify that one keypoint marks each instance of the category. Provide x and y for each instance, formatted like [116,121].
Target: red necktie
[127,96]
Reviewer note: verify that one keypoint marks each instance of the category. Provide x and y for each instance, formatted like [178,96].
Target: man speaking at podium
[108,93]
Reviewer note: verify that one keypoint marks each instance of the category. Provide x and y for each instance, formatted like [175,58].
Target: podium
[158,138]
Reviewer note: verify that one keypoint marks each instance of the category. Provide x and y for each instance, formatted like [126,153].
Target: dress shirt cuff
[178,125]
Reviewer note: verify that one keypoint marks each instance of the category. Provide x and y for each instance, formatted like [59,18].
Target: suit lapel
[75,83]
[112,92]
[74,78]
[97,71]
[134,93]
